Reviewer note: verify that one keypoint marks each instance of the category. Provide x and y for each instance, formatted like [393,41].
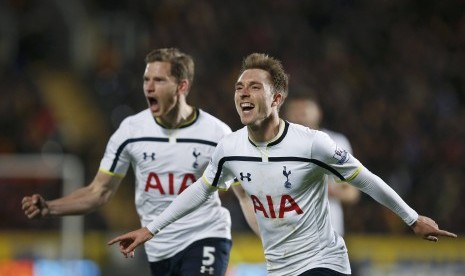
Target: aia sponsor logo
[167,187]
[267,208]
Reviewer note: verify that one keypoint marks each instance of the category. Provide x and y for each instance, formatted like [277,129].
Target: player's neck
[178,116]
[266,131]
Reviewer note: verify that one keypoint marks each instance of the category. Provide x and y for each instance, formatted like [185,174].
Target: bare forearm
[86,199]
[79,202]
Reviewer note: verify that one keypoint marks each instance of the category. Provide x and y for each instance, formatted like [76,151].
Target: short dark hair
[182,64]
[279,78]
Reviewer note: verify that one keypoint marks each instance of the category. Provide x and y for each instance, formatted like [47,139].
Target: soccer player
[282,167]
[306,111]
[168,146]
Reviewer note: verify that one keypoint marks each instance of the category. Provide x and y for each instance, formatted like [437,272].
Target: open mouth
[152,101]
[247,106]
[153,104]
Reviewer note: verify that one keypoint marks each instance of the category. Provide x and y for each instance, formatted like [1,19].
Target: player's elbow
[100,196]
[104,197]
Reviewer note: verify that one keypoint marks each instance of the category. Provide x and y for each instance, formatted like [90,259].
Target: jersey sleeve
[116,159]
[348,168]
[189,200]
[334,158]
[216,174]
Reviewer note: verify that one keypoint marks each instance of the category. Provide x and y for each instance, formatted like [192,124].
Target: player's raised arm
[189,200]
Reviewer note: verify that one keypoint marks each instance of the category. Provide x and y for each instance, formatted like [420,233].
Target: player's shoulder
[300,130]
[235,138]
[137,118]
[339,138]
[304,138]
[133,125]
[213,121]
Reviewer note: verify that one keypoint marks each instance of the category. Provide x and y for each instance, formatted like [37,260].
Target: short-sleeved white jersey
[286,180]
[166,161]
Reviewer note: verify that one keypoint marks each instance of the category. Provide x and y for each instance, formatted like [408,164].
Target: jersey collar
[190,121]
[283,127]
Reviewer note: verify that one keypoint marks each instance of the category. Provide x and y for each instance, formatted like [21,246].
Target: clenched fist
[35,206]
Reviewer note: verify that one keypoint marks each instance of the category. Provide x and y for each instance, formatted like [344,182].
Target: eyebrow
[250,83]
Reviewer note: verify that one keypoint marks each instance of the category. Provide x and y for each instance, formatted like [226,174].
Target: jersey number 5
[208,260]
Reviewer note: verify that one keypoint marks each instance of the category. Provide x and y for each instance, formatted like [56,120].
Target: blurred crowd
[388,74]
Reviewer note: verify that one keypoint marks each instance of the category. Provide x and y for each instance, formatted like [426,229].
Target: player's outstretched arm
[381,192]
[189,200]
[81,201]
[428,229]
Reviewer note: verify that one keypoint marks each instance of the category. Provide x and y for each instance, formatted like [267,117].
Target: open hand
[35,206]
[429,229]
[129,241]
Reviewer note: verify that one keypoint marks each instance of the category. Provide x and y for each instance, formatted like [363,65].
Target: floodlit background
[390,75]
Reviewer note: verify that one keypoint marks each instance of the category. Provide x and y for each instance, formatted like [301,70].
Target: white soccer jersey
[335,205]
[286,180]
[166,161]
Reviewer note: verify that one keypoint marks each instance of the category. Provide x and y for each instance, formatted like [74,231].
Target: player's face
[160,88]
[254,97]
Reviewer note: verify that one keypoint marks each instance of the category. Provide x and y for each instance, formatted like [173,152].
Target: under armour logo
[151,156]
[204,269]
[195,154]
[286,173]
[247,176]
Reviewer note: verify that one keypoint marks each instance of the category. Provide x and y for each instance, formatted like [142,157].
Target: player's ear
[277,99]
[183,86]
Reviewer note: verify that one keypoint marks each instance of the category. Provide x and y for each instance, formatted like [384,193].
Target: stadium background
[389,74]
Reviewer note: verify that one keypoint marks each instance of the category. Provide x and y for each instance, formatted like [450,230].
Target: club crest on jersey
[196,155]
[152,156]
[286,173]
[245,176]
[341,155]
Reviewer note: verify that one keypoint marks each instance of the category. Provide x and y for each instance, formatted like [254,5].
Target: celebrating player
[282,166]
[168,145]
